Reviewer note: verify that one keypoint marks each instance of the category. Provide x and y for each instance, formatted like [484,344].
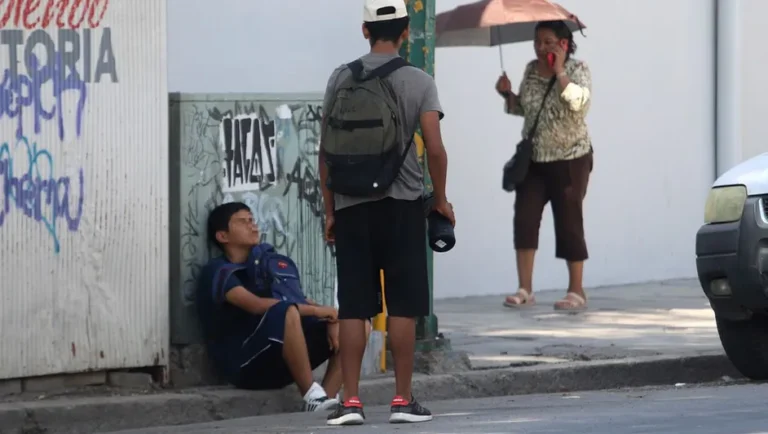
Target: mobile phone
[551,59]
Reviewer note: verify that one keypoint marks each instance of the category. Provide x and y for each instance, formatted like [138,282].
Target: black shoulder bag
[517,167]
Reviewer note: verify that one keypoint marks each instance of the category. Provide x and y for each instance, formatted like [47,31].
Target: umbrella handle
[497,31]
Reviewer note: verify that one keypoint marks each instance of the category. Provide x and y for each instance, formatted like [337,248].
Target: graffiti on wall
[54,50]
[264,155]
[37,193]
[250,152]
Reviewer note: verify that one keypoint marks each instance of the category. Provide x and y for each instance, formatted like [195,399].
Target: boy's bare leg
[295,351]
[333,376]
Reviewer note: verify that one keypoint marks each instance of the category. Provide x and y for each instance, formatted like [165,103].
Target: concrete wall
[83,187]
[751,92]
[272,168]
[652,124]
[652,121]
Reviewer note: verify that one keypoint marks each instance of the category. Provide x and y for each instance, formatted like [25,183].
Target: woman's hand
[503,85]
[559,65]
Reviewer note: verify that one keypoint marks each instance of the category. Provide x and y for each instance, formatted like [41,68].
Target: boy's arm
[237,295]
[251,303]
[437,159]
[330,89]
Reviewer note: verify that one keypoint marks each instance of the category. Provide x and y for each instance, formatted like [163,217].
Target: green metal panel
[419,50]
[274,171]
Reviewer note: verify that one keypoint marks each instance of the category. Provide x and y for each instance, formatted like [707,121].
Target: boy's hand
[333,336]
[330,235]
[446,209]
[326,313]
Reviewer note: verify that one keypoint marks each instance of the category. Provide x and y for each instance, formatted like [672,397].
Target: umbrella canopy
[496,22]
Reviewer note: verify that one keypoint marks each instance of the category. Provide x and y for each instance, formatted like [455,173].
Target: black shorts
[387,235]
[262,366]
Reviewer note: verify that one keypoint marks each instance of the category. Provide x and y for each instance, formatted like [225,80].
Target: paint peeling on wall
[261,150]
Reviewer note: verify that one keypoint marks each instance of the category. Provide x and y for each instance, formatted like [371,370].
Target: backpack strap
[356,68]
[389,67]
[254,267]
[382,71]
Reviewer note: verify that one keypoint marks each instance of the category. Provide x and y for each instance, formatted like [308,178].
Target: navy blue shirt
[225,326]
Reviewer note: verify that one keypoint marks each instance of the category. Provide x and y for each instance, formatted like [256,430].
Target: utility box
[260,149]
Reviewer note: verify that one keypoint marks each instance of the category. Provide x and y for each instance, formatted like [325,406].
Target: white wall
[247,46]
[84,193]
[651,121]
[753,89]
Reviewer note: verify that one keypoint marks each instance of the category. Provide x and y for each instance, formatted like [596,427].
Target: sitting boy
[261,332]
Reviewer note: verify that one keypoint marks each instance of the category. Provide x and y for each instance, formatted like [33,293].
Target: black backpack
[363,132]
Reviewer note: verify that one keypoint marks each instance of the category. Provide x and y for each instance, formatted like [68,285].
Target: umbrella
[491,23]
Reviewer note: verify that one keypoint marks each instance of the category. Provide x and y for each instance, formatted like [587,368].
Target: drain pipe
[728,60]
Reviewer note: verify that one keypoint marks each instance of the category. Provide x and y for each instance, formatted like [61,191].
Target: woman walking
[561,161]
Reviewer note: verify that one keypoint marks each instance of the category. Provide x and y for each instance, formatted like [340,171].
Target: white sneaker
[321,403]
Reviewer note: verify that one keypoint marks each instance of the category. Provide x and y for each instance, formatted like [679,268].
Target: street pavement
[738,409]
[670,318]
[632,335]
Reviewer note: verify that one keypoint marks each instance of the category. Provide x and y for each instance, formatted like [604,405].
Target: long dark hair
[561,30]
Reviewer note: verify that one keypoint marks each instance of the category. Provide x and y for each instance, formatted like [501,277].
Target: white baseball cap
[384,10]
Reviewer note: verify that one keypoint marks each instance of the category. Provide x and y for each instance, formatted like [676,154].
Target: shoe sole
[408,418]
[347,419]
[519,306]
[570,309]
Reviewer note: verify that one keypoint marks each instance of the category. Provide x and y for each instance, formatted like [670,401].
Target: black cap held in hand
[439,229]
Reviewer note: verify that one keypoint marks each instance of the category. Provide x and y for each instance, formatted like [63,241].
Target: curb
[101,414]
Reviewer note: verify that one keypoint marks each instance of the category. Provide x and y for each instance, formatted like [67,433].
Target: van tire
[746,345]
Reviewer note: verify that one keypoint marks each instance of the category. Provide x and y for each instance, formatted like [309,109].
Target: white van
[732,263]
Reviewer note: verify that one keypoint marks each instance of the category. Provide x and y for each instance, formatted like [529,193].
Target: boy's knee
[292,315]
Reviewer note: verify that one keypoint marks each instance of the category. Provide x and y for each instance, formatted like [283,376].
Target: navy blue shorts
[262,366]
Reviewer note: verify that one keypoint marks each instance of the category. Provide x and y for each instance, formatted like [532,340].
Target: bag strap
[389,67]
[382,71]
[356,68]
[535,125]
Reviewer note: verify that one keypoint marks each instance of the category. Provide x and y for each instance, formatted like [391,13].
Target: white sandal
[571,302]
[522,299]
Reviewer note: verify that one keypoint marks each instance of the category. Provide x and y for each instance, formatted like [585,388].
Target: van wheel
[746,345]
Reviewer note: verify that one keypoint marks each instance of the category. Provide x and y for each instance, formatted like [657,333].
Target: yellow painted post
[380,325]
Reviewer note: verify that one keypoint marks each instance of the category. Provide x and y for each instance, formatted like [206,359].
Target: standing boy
[372,187]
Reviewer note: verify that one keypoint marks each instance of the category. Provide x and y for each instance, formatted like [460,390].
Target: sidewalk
[671,318]
[637,335]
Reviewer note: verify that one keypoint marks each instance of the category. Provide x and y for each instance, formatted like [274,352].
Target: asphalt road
[739,409]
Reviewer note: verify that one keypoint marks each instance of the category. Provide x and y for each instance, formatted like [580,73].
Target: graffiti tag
[37,192]
[24,91]
[250,153]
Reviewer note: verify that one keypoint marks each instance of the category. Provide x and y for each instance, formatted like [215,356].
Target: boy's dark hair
[387,31]
[562,31]
[218,219]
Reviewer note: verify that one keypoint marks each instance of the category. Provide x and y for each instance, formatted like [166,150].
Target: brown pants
[564,185]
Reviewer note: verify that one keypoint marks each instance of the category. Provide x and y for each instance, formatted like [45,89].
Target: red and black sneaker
[350,412]
[403,411]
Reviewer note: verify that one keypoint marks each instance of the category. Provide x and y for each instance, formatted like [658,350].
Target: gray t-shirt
[416,94]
